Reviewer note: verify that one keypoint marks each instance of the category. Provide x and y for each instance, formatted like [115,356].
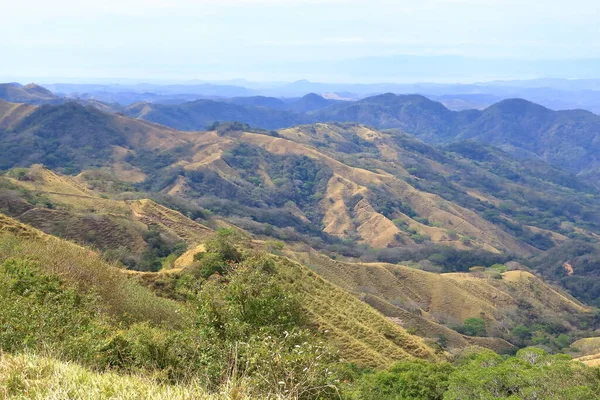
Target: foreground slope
[366,336]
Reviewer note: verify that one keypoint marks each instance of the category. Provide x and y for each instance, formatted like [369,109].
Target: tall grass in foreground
[85,269]
[27,376]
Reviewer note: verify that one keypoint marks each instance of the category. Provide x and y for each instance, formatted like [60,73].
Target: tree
[474,327]
[530,375]
[415,380]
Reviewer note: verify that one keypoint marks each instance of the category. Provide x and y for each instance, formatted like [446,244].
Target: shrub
[532,374]
[40,311]
[473,327]
[415,380]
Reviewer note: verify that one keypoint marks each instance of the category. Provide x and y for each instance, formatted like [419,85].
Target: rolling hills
[565,139]
[172,255]
[426,303]
[369,198]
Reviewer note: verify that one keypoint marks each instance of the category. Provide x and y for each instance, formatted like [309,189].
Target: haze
[326,40]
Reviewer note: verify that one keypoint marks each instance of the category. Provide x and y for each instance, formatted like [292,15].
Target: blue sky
[273,39]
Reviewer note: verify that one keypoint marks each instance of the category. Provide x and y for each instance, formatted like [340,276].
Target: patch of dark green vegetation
[68,137]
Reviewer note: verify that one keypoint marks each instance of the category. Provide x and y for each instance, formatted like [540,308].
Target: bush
[415,380]
[532,374]
[473,327]
[40,312]
[294,365]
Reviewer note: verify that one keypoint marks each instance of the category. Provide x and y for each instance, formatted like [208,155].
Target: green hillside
[330,186]
[565,139]
[381,248]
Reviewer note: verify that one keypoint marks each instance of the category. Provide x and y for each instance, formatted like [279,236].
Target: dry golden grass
[33,377]
[590,361]
[122,169]
[70,192]
[363,335]
[151,213]
[587,346]
[422,300]
[187,258]
[87,271]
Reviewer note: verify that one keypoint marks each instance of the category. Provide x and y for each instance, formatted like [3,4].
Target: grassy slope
[429,303]
[34,377]
[79,210]
[365,335]
[393,290]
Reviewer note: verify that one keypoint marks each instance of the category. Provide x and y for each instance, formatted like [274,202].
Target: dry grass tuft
[33,377]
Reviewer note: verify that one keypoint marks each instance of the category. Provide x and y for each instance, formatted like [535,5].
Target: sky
[269,40]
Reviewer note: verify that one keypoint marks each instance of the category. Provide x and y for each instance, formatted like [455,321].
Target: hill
[367,336]
[69,136]
[436,305]
[565,139]
[93,347]
[197,115]
[343,188]
[426,303]
[31,94]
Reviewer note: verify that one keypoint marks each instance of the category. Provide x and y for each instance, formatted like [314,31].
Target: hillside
[92,347]
[366,335]
[331,186]
[71,136]
[148,236]
[426,303]
[271,250]
[566,139]
[31,94]
[435,305]
[199,114]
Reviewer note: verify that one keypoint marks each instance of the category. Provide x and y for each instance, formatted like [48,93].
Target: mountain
[69,136]
[332,241]
[197,115]
[310,102]
[330,186]
[31,93]
[566,139]
[259,101]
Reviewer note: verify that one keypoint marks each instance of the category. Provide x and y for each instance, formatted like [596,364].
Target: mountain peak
[313,96]
[517,106]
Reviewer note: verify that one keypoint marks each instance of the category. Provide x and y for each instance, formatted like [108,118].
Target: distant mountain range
[556,94]
[565,139]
